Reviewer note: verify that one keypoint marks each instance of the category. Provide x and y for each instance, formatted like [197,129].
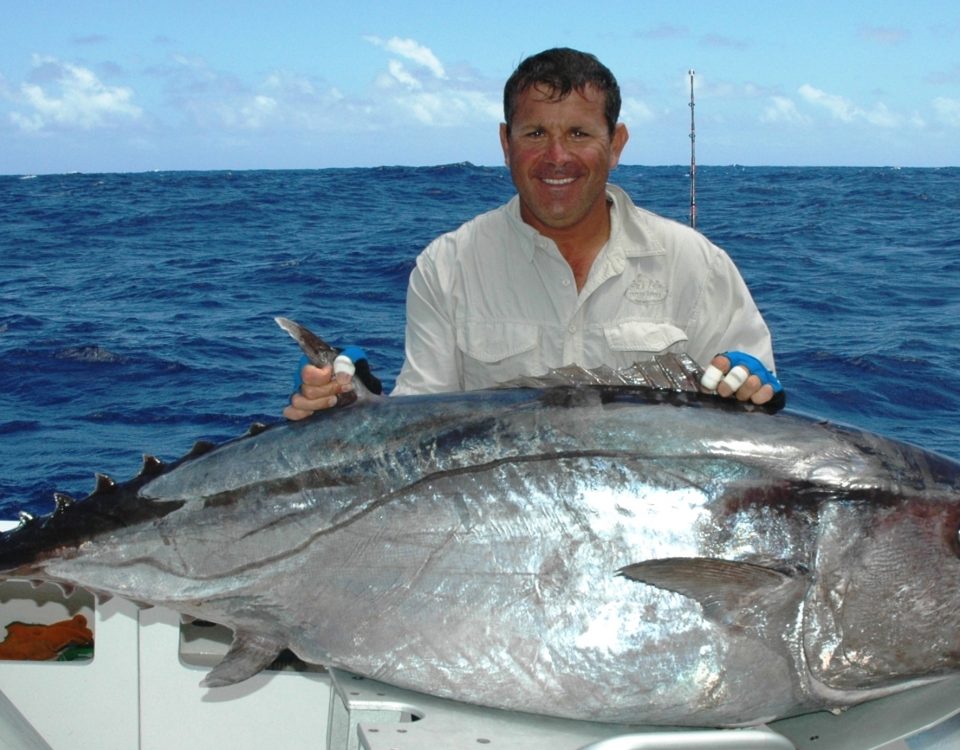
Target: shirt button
[566,282]
[572,328]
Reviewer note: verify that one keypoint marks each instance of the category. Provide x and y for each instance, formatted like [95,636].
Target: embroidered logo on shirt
[643,290]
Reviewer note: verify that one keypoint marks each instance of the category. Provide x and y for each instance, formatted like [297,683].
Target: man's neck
[579,244]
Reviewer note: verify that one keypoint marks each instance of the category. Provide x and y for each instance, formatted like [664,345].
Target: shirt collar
[529,234]
[629,236]
[535,239]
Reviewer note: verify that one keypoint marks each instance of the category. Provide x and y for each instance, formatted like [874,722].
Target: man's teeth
[558,181]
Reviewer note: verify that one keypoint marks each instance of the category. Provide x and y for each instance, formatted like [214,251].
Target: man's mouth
[557,181]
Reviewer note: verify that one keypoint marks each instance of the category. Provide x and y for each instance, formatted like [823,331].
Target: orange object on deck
[29,642]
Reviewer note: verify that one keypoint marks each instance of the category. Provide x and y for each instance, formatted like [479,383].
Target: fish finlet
[201,447]
[63,502]
[104,484]
[152,466]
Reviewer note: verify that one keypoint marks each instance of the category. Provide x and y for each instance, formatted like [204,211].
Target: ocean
[136,310]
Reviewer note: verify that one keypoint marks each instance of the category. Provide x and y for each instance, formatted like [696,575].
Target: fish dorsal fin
[249,654]
[730,592]
[318,351]
[665,372]
[321,354]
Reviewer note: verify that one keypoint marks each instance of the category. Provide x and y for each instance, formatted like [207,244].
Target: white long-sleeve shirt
[495,299]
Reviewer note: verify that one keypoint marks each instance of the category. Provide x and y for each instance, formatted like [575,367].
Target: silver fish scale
[468,545]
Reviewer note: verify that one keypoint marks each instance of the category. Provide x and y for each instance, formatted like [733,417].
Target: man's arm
[431,356]
[430,363]
[729,332]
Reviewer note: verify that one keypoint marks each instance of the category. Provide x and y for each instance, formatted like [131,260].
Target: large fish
[615,553]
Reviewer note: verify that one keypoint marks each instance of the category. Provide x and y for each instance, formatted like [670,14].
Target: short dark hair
[562,70]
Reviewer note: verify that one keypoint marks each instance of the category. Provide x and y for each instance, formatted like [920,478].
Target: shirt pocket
[633,340]
[495,352]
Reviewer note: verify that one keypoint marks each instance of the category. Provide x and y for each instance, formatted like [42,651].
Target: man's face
[560,154]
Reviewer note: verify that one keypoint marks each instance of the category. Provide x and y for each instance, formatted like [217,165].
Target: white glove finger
[343,364]
[711,377]
[737,377]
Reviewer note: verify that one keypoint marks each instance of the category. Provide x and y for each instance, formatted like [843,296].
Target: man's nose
[557,151]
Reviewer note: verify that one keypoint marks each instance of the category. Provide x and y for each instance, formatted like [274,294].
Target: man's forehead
[543,91]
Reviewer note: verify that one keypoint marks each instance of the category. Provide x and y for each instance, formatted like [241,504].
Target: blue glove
[748,364]
[354,354]
[755,367]
[358,357]
[297,376]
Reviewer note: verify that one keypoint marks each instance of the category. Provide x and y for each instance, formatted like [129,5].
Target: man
[569,271]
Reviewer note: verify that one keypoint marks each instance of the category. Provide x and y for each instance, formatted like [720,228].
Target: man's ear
[620,138]
[505,143]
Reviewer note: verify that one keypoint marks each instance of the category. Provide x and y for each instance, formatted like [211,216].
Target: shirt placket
[574,343]
[573,338]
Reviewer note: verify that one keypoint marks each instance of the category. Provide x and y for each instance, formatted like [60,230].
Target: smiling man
[570,271]
[560,150]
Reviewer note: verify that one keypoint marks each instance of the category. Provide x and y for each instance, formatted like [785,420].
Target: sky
[97,86]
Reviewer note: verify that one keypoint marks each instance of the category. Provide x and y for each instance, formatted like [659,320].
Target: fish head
[885,606]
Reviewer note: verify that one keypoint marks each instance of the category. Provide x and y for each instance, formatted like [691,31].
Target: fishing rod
[693,158]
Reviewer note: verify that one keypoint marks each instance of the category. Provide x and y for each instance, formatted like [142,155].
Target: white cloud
[839,107]
[881,116]
[280,101]
[258,110]
[780,109]
[707,87]
[285,101]
[402,75]
[634,111]
[948,110]
[847,111]
[71,96]
[191,97]
[426,93]
[449,108]
[413,51]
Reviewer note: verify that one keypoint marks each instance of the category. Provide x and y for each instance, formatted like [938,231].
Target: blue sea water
[136,309]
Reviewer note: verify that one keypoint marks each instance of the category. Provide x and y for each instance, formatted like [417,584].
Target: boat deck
[140,690]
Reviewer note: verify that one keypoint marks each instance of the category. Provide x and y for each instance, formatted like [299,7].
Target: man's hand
[739,375]
[318,390]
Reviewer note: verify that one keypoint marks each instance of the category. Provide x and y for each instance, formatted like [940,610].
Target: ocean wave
[136,310]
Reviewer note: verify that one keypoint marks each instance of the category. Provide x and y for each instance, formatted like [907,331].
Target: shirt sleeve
[430,355]
[727,319]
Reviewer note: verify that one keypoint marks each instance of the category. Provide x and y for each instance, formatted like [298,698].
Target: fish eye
[953,538]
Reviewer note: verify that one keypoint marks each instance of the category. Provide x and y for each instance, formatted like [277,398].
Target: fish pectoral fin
[248,655]
[730,592]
